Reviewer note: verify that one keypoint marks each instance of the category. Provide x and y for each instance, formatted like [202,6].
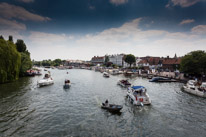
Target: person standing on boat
[106,103]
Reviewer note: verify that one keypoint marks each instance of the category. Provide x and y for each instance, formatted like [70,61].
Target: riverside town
[102,68]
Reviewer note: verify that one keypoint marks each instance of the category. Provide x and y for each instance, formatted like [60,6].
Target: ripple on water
[52,111]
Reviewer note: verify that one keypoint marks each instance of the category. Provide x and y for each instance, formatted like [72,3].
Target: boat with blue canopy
[138,95]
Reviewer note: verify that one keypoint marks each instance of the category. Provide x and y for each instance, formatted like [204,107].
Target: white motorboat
[124,83]
[105,74]
[115,72]
[138,95]
[47,80]
[191,88]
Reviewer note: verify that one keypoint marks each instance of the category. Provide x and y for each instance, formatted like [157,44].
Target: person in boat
[106,103]
[67,81]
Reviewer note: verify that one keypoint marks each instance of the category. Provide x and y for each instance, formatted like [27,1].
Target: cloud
[118,2]
[200,29]
[50,46]
[11,25]
[15,12]
[187,21]
[128,38]
[182,3]
[26,1]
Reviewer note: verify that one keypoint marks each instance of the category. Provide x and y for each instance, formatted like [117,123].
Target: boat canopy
[137,87]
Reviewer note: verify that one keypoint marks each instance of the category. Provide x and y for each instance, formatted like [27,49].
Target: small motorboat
[67,84]
[38,73]
[124,83]
[162,79]
[112,107]
[192,88]
[138,95]
[105,74]
[47,80]
[128,73]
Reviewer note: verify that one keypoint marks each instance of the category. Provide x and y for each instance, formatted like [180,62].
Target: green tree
[20,45]
[130,59]
[57,62]
[194,63]
[10,61]
[106,59]
[26,63]
[11,38]
[1,37]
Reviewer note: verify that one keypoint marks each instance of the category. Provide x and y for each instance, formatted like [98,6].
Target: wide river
[29,111]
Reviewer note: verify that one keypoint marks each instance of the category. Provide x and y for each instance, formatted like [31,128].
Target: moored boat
[105,74]
[47,80]
[128,73]
[124,83]
[162,79]
[138,95]
[192,88]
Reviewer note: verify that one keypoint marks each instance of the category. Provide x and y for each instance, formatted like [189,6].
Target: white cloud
[187,21]
[15,12]
[25,1]
[128,38]
[11,25]
[200,29]
[118,2]
[182,3]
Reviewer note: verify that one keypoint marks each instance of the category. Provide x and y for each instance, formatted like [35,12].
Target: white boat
[124,83]
[191,88]
[105,74]
[47,80]
[138,95]
[115,72]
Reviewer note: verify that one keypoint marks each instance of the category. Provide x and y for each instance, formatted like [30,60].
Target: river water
[29,111]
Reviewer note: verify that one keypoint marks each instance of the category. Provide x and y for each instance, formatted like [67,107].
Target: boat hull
[45,82]
[139,100]
[66,86]
[112,107]
[123,85]
[195,92]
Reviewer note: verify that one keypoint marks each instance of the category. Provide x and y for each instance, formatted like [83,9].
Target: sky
[81,29]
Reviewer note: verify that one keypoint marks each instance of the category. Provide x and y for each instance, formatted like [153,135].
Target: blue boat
[162,79]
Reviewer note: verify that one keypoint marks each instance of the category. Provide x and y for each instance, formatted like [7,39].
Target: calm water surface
[27,111]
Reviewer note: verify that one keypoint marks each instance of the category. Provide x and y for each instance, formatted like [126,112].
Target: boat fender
[136,98]
[141,99]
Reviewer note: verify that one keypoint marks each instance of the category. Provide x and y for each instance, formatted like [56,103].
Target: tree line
[14,59]
[49,62]
[194,63]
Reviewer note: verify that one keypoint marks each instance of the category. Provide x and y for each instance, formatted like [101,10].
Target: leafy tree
[194,63]
[106,59]
[20,45]
[11,38]
[26,63]
[1,37]
[57,62]
[10,61]
[130,59]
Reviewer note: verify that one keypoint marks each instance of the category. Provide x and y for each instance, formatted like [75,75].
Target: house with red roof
[171,64]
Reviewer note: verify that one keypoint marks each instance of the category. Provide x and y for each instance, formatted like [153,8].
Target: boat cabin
[138,90]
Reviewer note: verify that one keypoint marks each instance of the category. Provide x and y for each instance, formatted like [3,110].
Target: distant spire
[175,56]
